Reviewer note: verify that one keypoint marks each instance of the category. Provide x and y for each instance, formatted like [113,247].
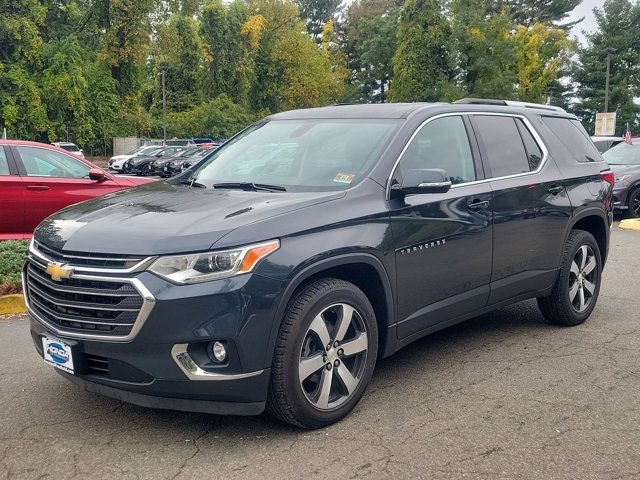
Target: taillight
[608,177]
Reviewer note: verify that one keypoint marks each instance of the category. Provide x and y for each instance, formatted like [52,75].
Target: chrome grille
[83,259]
[85,305]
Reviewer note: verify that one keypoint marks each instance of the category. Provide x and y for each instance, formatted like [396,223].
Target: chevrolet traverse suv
[313,243]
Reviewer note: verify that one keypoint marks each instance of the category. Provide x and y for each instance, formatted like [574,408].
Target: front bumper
[151,368]
[620,198]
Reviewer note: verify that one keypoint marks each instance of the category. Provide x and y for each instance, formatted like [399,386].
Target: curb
[630,224]
[12,304]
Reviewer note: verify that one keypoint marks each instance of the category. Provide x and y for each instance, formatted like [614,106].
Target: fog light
[219,351]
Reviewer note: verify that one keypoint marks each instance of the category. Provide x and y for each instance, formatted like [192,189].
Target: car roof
[368,110]
[27,143]
[405,110]
[596,138]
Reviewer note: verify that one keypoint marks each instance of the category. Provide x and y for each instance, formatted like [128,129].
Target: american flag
[627,135]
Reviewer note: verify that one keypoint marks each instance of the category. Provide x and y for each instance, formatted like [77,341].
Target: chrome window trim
[148,302]
[138,267]
[193,372]
[525,120]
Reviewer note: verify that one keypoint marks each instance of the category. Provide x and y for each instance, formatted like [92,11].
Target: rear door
[442,240]
[12,195]
[530,205]
[54,180]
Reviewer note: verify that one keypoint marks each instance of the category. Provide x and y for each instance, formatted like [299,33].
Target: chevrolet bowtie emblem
[58,271]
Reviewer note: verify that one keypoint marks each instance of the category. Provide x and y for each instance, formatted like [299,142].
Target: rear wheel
[325,354]
[634,204]
[575,293]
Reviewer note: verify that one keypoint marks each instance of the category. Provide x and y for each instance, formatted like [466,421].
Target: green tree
[317,13]
[618,23]
[421,68]
[529,12]
[179,52]
[21,106]
[369,39]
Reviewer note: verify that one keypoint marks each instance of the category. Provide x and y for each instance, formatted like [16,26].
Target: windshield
[623,154]
[318,154]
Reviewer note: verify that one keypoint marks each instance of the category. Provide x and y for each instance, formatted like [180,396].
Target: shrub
[12,256]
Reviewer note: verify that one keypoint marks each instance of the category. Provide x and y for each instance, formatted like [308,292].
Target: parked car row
[162,161]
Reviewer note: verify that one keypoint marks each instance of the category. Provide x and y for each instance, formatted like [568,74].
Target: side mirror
[424,181]
[97,174]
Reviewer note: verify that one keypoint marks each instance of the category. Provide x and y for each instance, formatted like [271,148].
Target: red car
[37,179]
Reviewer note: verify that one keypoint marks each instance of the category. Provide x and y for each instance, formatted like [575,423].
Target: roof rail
[510,103]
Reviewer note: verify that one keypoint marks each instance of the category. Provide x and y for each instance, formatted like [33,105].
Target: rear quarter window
[574,137]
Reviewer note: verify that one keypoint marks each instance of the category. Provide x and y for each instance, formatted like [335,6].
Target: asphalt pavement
[500,396]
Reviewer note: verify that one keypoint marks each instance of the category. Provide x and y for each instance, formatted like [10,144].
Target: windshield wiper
[250,186]
[191,183]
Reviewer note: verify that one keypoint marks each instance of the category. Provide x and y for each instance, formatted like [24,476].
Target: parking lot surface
[499,396]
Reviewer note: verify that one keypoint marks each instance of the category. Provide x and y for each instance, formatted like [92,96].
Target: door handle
[478,205]
[37,187]
[556,189]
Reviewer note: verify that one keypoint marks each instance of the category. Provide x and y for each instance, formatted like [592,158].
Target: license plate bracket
[58,354]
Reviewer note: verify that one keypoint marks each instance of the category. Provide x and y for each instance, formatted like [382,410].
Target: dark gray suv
[343,234]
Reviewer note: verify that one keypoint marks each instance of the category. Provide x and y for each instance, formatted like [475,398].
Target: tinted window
[573,136]
[444,144]
[42,162]
[4,165]
[503,150]
[534,154]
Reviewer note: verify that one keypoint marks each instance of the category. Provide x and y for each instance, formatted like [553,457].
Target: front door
[443,242]
[11,199]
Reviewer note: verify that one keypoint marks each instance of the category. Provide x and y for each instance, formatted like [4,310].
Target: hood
[160,218]
[119,157]
[625,169]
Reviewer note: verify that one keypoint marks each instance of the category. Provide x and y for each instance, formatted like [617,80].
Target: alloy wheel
[333,355]
[582,278]
[635,206]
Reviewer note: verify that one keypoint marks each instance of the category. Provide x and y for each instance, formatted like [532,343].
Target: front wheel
[145,171]
[325,354]
[634,204]
[575,293]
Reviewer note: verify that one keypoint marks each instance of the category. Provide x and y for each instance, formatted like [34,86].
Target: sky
[585,9]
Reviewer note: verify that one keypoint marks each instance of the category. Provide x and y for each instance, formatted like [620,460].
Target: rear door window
[503,150]
[574,137]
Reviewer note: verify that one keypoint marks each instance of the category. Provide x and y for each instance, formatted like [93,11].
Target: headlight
[621,178]
[201,267]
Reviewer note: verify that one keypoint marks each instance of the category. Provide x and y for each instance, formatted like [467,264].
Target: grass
[12,256]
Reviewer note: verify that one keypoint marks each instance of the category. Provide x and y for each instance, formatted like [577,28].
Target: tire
[634,204]
[576,290]
[299,349]
[145,170]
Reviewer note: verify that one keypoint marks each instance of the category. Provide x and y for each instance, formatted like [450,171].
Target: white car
[116,162]
[605,143]
[69,147]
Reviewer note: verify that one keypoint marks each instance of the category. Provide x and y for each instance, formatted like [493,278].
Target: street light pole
[164,110]
[606,81]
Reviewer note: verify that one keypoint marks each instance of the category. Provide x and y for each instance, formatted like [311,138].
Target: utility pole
[164,111]
[606,81]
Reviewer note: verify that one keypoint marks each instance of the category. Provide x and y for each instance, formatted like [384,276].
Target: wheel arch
[593,220]
[363,270]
